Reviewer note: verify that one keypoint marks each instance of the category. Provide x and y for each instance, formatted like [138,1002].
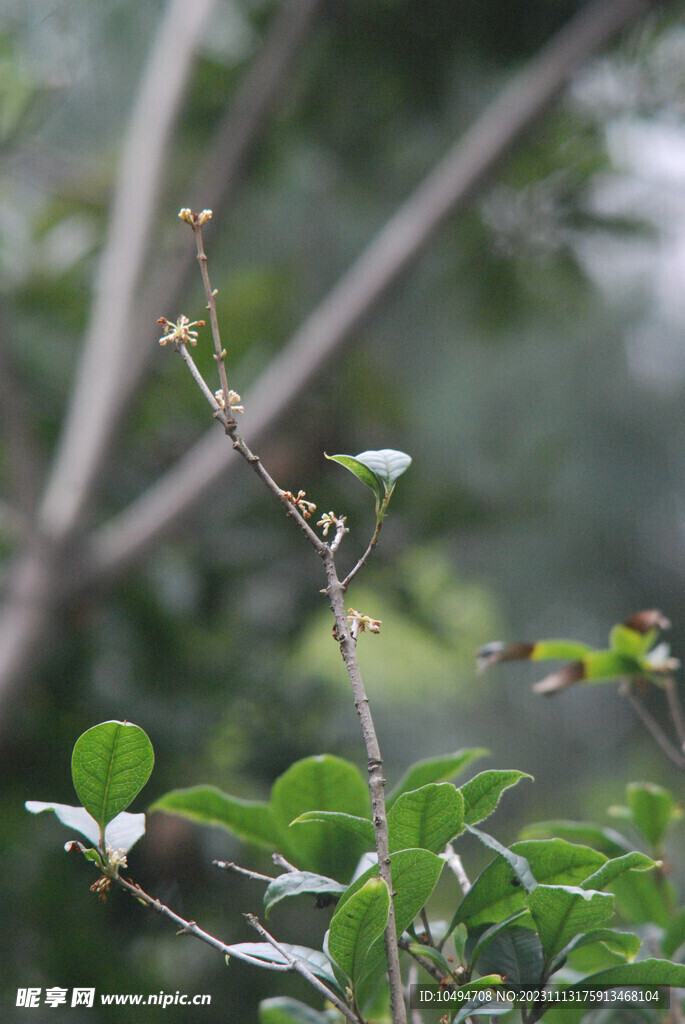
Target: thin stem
[367,554]
[675,709]
[280,862]
[229,865]
[200,381]
[422,961]
[219,352]
[300,968]
[653,726]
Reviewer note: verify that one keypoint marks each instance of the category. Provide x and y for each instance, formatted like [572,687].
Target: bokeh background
[531,359]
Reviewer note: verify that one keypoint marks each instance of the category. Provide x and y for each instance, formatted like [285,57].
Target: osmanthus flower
[632,653]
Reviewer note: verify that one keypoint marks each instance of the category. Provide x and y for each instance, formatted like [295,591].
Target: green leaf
[316,960]
[297,883]
[356,925]
[342,822]
[415,874]
[641,972]
[652,810]
[426,818]
[435,957]
[557,650]
[321,783]
[674,936]
[387,465]
[514,952]
[607,943]
[644,898]
[618,866]
[499,892]
[630,642]
[250,820]
[110,764]
[121,833]
[601,666]
[361,471]
[606,840]
[561,912]
[482,793]
[434,769]
[284,1010]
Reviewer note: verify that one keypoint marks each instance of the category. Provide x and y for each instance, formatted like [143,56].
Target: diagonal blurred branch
[102,366]
[111,367]
[465,168]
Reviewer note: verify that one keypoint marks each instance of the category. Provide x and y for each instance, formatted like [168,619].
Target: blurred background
[529,357]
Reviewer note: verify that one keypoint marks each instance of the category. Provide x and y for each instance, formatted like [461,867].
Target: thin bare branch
[670,750]
[229,865]
[466,167]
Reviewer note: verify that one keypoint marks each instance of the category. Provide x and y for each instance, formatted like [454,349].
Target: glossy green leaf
[250,820]
[356,925]
[482,793]
[498,891]
[426,818]
[284,1010]
[652,810]
[434,769]
[561,912]
[641,972]
[340,822]
[590,949]
[480,937]
[515,953]
[361,471]
[434,956]
[616,867]
[644,898]
[321,783]
[110,764]
[387,465]
[606,840]
[299,883]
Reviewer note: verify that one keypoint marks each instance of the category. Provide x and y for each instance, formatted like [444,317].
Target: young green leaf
[386,464]
[616,867]
[434,769]
[110,764]
[561,912]
[426,818]
[362,472]
[356,925]
[482,793]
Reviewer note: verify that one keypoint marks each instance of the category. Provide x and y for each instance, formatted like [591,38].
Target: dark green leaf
[356,925]
[110,764]
[250,820]
[641,972]
[482,793]
[561,912]
[434,769]
[675,934]
[426,818]
[297,883]
[514,952]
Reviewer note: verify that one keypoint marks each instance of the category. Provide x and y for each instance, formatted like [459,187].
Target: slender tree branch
[453,182]
[652,726]
[422,961]
[230,865]
[300,968]
[675,709]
